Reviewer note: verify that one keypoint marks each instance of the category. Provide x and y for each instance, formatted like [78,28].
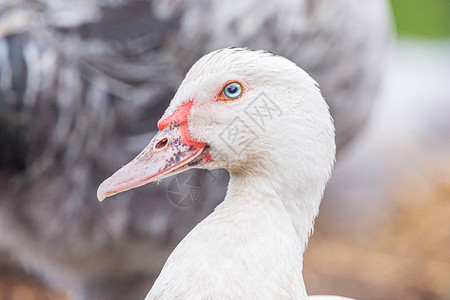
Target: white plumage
[251,246]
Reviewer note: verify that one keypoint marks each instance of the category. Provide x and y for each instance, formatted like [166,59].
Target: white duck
[263,119]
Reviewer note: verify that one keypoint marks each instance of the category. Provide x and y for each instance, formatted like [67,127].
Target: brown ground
[408,259]
[17,285]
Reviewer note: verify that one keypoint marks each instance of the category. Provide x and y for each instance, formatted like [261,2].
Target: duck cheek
[170,152]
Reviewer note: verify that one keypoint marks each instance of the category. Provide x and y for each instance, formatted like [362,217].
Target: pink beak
[168,153]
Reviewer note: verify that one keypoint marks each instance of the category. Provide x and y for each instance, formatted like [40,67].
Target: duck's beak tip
[101,194]
[103,191]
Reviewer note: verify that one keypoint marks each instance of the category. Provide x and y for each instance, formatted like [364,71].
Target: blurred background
[82,84]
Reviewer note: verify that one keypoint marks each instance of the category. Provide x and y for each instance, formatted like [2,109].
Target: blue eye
[233,90]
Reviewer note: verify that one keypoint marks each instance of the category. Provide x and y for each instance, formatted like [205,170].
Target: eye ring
[231,91]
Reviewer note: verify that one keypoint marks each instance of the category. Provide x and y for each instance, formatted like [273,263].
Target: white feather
[251,246]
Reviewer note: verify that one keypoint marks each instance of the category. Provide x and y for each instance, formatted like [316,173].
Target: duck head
[250,112]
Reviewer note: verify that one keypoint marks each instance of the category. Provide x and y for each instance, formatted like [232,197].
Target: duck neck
[296,203]
[280,220]
[255,237]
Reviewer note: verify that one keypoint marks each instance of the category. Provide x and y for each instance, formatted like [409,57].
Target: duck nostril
[161,144]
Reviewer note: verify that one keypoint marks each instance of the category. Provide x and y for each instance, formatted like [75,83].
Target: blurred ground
[407,258]
[17,285]
[383,231]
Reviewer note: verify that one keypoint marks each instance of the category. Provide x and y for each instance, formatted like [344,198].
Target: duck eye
[232,91]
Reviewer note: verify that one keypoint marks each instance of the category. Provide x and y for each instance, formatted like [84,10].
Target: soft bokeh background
[384,229]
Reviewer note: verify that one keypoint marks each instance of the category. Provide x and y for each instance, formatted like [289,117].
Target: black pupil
[232,89]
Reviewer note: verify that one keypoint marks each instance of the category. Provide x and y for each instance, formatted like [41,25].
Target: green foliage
[422,18]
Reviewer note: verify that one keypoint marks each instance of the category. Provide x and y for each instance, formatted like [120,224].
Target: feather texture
[82,87]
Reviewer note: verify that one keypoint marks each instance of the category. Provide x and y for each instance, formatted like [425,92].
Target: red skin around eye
[180,116]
